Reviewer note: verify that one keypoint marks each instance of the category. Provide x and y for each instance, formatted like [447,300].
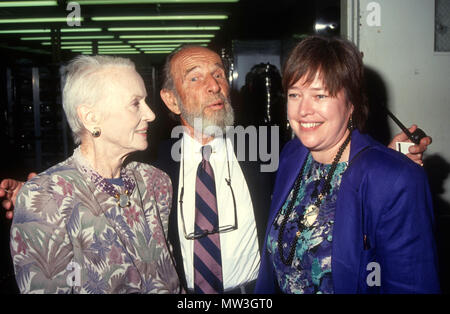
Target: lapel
[350,222]
[260,188]
[172,167]
[290,164]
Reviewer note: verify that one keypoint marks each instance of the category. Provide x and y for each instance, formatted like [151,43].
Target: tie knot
[206,152]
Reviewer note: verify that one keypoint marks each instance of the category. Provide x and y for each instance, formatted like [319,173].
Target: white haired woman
[92,224]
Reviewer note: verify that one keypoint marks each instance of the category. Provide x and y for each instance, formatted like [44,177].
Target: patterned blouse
[70,236]
[310,271]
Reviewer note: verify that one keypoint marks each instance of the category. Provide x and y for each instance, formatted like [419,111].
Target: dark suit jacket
[259,184]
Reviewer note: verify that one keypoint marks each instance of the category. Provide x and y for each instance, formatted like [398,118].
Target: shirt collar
[193,148]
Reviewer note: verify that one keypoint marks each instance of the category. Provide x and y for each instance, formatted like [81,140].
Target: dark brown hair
[339,65]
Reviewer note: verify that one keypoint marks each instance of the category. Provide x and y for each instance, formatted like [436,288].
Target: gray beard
[209,126]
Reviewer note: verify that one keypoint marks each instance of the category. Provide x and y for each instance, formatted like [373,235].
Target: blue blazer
[383,214]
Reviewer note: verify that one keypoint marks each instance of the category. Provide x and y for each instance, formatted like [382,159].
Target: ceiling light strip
[24,31]
[76,47]
[63,30]
[21,4]
[160,18]
[40,20]
[169,36]
[156,48]
[79,30]
[35,38]
[170,46]
[157,41]
[68,43]
[164,28]
[115,46]
[87,37]
[110,42]
[119,52]
[158,52]
[70,37]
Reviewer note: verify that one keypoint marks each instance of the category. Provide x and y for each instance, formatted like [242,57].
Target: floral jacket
[69,236]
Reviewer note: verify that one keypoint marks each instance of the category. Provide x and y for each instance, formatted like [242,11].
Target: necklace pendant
[123,200]
[310,216]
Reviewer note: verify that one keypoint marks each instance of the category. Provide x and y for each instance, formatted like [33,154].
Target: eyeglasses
[197,234]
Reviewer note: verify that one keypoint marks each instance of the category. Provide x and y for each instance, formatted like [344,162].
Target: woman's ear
[170,101]
[88,116]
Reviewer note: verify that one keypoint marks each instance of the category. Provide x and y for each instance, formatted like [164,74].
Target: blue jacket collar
[292,160]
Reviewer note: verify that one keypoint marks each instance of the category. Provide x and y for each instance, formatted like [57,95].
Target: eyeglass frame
[224,229]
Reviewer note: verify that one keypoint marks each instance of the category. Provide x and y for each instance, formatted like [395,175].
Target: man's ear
[88,116]
[170,100]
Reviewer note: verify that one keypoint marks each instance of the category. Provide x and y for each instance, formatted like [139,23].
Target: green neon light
[160,18]
[115,46]
[158,52]
[79,30]
[111,42]
[88,37]
[76,47]
[169,41]
[156,49]
[35,38]
[19,4]
[69,43]
[24,31]
[119,53]
[40,20]
[63,30]
[169,46]
[170,36]
[164,28]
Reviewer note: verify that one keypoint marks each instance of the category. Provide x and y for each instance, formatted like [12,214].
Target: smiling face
[318,119]
[201,88]
[125,114]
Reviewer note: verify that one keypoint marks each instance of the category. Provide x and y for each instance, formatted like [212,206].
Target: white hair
[86,84]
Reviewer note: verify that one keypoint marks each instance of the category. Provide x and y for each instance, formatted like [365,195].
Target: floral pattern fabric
[69,236]
[310,271]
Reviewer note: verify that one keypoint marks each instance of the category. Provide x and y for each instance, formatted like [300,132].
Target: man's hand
[415,151]
[9,188]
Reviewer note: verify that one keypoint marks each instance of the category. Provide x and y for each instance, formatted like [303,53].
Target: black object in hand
[415,136]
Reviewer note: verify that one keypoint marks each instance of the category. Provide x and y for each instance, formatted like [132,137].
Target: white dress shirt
[239,248]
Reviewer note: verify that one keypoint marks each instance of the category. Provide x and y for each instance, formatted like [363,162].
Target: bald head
[168,82]
[196,87]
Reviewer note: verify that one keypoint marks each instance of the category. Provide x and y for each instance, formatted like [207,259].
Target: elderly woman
[348,215]
[92,224]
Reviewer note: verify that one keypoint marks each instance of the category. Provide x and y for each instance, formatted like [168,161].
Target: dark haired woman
[348,215]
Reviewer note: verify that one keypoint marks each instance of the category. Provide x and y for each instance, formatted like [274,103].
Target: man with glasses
[196,89]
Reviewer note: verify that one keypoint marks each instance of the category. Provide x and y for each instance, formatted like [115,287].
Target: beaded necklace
[311,212]
[122,199]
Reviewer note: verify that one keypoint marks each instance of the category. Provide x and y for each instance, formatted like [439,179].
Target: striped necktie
[207,258]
